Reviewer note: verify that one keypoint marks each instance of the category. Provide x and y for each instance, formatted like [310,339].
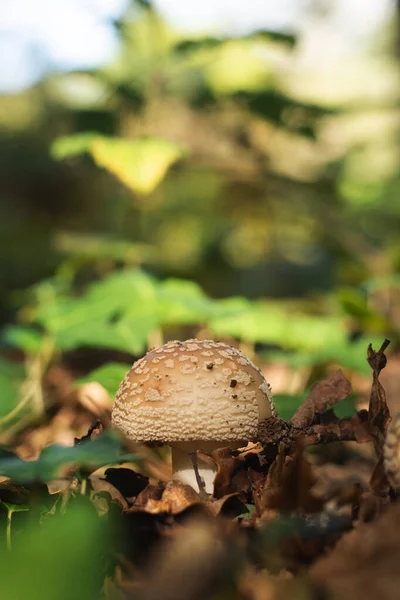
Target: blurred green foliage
[229,171]
[140,164]
[195,184]
[124,311]
[87,455]
[235,197]
[11,376]
[65,557]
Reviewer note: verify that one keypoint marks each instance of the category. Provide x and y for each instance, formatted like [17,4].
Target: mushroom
[193,395]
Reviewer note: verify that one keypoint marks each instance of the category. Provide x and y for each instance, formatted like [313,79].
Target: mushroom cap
[197,390]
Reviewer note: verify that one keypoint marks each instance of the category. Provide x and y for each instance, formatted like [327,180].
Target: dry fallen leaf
[365,562]
[289,484]
[231,476]
[129,483]
[198,563]
[379,415]
[323,394]
[173,499]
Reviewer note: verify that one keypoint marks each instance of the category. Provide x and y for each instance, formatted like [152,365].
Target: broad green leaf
[208,42]
[109,375]
[353,302]
[135,328]
[72,145]
[287,404]
[248,323]
[25,338]
[346,408]
[184,302]
[100,334]
[103,300]
[352,355]
[139,164]
[103,450]
[238,65]
[101,317]
[65,557]
[270,323]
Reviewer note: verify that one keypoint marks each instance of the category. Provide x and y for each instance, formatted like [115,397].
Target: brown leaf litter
[285,520]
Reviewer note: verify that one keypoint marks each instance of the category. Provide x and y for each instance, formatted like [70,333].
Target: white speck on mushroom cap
[212,392]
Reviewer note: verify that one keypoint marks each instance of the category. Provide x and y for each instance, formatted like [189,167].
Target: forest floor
[307,511]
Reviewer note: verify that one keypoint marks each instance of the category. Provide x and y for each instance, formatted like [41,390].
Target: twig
[199,479]
[274,431]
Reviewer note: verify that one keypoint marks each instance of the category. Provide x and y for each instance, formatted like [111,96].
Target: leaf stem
[8,529]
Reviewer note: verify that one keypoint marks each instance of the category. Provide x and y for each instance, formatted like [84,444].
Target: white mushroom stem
[182,462]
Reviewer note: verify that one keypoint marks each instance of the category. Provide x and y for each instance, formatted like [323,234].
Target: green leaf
[100,335]
[64,558]
[184,302]
[186,46]
[103,315]
[381,282]
[72,145]
[270,323]
[194,45]
[109,375]
[139,164]
[11,377]
[352,355]
[103,300]
[346,408]
[288,39]
[103,450]
[136,328]
[354,302]
[287,404]
[25,338]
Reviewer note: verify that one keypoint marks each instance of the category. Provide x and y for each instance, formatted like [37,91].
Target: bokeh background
[174,169]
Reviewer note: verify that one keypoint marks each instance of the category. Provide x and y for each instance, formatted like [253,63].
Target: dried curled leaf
[379,415]
[273,432]
[129,483]
[289,484]
[173,499]
[102,487]
[333,429]
[231,476]
[323,394]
